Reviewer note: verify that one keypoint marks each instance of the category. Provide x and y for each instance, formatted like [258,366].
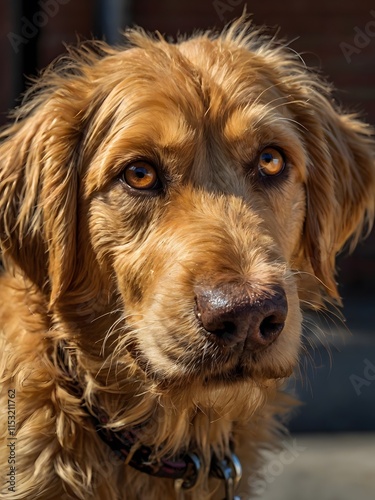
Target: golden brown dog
[165,211]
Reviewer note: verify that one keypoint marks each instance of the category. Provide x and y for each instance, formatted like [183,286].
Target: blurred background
[334,429]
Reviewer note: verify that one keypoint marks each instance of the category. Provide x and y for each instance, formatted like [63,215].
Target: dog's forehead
[201,78]
[195,103]
[206,80]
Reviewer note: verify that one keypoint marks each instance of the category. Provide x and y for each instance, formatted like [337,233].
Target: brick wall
[319,30]
[56,23]
[74,20]
[5,61]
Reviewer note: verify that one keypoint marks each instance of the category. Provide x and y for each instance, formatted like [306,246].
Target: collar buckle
[228,469]
[190,478]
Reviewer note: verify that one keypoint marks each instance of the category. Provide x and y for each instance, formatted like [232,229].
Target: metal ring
[194,469]
[237,468]
[228,469]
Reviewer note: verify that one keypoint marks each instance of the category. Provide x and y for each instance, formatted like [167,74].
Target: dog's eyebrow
[237,125]
[175,134]
[254,115]
[256,126]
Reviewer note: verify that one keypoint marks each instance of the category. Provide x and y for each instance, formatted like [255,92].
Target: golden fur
[113,272]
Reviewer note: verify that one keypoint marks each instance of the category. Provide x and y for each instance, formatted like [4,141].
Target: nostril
[271,327]
[228,329]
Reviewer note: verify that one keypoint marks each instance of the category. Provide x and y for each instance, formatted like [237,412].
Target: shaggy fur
[113,270]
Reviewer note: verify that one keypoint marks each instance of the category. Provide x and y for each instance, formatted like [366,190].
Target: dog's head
[200,190]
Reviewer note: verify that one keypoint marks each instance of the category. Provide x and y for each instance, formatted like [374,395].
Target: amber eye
[141,175]
[271,162]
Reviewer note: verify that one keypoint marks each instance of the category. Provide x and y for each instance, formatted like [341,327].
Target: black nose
[235,314]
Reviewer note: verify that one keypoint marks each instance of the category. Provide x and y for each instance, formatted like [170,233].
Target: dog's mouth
[249,366]
[244,373]
[216,367]
[236,374]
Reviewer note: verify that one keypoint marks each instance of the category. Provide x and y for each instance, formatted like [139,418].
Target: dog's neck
[184,467]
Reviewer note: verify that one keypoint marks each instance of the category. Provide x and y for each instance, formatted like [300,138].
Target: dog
[167,210]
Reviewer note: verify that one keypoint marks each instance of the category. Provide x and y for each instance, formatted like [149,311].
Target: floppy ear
[38,184]
[340,184]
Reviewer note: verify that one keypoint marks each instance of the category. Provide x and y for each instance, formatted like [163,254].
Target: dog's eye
[141,175]
[271,162]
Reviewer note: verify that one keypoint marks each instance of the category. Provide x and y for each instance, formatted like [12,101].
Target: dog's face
[196,204]
[206,187]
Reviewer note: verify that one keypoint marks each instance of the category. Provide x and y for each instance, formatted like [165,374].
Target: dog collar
[185,469]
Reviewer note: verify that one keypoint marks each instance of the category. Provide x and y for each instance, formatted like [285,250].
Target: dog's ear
[38,183]
[340,183]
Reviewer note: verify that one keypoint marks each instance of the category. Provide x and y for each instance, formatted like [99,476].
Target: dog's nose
[234,314]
